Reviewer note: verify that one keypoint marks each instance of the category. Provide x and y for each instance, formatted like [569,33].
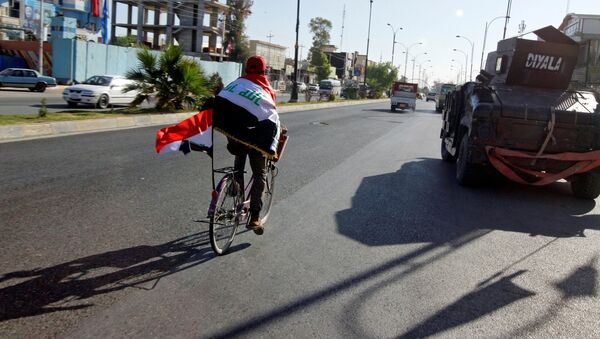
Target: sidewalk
[10,133]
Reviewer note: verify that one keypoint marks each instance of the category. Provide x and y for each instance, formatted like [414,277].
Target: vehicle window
[17,73]
[98,80]
[6,72]
[30,74]
[446,89]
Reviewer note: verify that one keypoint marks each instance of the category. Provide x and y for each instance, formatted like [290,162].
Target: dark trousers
[258,164]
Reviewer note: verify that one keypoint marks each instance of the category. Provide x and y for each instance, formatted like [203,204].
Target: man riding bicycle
[259,93]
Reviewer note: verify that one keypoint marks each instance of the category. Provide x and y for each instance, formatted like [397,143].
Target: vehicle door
[115,91]
[15,78]
[30,79]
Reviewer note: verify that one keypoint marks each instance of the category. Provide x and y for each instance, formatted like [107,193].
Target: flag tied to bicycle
[244,111]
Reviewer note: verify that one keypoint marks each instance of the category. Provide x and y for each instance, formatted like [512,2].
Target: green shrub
[332,97]
[43,111]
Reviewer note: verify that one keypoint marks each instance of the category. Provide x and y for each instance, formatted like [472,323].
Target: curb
[20,132]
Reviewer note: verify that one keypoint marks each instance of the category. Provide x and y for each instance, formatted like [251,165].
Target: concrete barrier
[10,133]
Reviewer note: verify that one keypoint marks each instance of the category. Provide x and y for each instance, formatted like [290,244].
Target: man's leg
[238,165]
[258,163]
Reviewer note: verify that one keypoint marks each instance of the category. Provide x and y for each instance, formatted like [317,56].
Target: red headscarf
[255,72]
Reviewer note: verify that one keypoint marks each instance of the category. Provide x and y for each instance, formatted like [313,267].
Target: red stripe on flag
[185,129]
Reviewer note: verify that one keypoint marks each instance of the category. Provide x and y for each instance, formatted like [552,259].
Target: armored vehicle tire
[447,156]
[467,174]
[586,185]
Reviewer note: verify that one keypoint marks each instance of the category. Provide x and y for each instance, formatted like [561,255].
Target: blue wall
[79,60]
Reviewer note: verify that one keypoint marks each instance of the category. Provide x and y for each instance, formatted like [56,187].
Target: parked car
[301,87]
[312,88]
[431,96]
[100,91]
[26,78]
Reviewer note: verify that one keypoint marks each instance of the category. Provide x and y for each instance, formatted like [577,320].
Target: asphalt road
[370,236]
[22,101]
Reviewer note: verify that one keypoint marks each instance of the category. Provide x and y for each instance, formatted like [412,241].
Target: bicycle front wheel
[268,192]
[224,221]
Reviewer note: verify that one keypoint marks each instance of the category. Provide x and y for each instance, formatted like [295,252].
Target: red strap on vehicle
[582,162]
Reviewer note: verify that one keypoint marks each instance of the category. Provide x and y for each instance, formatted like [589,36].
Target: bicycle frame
[229,175]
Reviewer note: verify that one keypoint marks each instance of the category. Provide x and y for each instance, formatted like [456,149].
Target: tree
[320,65]
[235,39]
[381,76]
[125,41]
[175,81]
[320,29]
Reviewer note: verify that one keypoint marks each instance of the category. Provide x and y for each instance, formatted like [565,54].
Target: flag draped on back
[193,133]
[245,111]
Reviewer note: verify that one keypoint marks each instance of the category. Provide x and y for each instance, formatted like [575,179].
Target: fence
[76,60]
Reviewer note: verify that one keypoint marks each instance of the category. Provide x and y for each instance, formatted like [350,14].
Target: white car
[100,91]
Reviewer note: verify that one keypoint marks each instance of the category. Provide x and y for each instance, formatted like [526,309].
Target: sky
[434,23]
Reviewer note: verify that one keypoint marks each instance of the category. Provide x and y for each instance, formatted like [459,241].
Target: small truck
[520,118]
[403,95]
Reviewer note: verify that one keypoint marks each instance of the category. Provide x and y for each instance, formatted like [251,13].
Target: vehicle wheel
[467,174]
[71,104]
[40,87]
[103,101]
[224,221]
[586,185]
[268,193]
[447,156]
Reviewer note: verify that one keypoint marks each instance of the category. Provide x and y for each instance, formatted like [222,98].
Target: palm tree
[177,82]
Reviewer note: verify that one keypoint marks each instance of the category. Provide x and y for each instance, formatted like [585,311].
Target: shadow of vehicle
[66,286]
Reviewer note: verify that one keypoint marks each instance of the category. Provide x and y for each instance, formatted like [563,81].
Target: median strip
[23,127]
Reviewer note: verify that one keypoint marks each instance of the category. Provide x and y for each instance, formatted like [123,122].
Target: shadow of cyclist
[72,282]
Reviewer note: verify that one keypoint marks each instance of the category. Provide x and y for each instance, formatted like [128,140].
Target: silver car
[25,78]
[100,91]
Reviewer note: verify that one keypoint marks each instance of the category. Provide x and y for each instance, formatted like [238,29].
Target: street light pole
[41,37]
[472,50]
[394,40]
[368,38]
[294,96]
[412,78]
[466,60]
[487,25]
[406,56]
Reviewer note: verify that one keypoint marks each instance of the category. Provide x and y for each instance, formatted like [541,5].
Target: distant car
[431,96]
[312,88]
[301,87]
[100,91]
[26,78]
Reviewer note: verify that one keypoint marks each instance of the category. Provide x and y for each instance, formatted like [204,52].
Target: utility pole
[507,18]
[368,38]
[41,36]
[343,20]
[294,96]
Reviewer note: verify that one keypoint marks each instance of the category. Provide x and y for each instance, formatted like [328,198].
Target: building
[195,25]
[20,19]
[359,66]
[585,30]
[274,56]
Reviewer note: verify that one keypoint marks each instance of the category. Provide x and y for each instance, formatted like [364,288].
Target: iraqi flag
[194,133]
[245,111]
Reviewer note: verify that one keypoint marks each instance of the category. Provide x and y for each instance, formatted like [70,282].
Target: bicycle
[230,205]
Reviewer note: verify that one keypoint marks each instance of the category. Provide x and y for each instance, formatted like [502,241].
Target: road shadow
[422,203]
[389,209]
[66,286]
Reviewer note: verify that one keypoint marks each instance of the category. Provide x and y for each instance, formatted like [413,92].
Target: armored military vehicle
[521,120]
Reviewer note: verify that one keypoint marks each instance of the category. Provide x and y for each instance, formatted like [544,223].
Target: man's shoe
[255,224]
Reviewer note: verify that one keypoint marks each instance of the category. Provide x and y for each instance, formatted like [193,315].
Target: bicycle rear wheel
[225,219]
[269,191]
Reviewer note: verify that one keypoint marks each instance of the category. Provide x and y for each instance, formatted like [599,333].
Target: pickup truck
[403,95]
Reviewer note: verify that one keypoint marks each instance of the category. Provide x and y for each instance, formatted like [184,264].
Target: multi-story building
[274,55]
[585,30]
[195,25]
